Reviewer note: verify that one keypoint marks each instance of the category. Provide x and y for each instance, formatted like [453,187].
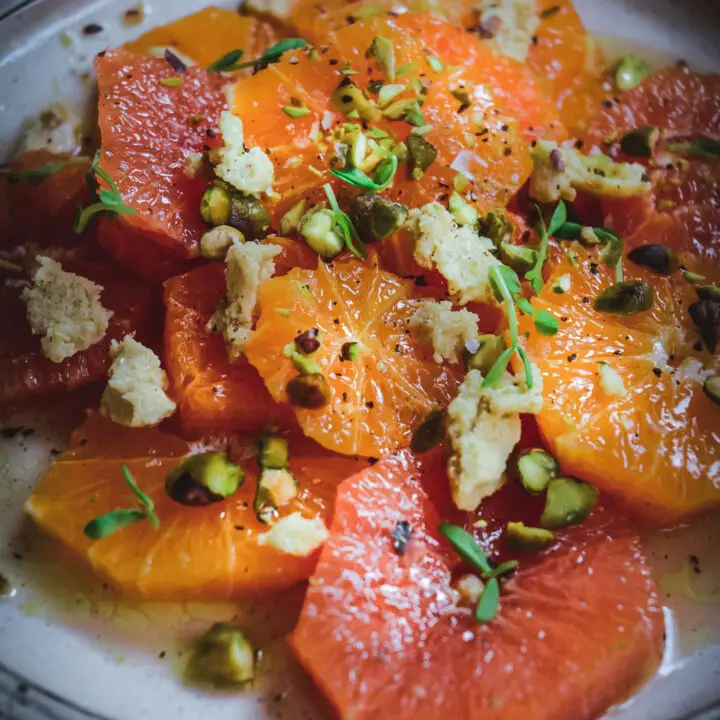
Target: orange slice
[206,552]
[212,393]
[378,399]
[655,445]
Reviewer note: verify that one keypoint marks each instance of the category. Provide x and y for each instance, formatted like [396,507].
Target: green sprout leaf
[350,236]
[111,522]
[489,601]
[383,175]
[228,62]
[612,253]
[702,147]
[559,217]
[109,199]
[271,55]
[546,323]
[499,367]
[39,174]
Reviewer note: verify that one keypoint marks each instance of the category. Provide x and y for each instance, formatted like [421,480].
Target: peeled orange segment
[207,35]
[493,154]
[654,445]
[382,636]
[148,131]
[206,552]
[26,373]
[214,394]
[378,399]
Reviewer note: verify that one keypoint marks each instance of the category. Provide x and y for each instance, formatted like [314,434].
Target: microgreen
[381,179]
[558,219]
[111,522]
[352,240]
[612,253]
[231,61]
[702,147]
[465,546]
[109,199]
[435,63]
[545,322]
[37,175]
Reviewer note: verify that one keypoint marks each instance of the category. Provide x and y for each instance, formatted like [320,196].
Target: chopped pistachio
[535,469]
[376,217]
[422,153]
[295,112]
[485,352]
[708,292]
[248,215]
[404,69]
[388,93]
[430,432]
[524,539]
[349,99]
[463,212]
[215,243]
[496,226]
[711,388]
[357,143]
[414,116]
[659,258]
[215,204]
[625,298]
[641,142]
[317,228]
[464,97]
[309,391]
[277,487]
[692,277]
[435,63]
[705,315]
[630,71]
[172,82]
[383,51]
[568,502]
[203,479]
[290,221]
[396,110]
[561,285]
[460,182]
[223,656]
[350,351]
[521,258]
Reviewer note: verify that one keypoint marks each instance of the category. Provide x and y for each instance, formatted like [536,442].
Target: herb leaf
[274,53]
[111,522]
[612,253]
[383,175]
[36,175]
[702,147]
[110,199]
[352,240]
[465,546]
[558,218]
[488,603]
[227,63]
[546,323]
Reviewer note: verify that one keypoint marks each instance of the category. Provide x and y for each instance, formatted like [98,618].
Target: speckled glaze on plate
[71,649]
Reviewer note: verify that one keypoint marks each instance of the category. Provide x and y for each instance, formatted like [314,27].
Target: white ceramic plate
[68,644]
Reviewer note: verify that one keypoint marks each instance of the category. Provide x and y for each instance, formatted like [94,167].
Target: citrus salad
[416,304]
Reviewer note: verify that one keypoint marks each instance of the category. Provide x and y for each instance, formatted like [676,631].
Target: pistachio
[398,109]
[708,292]
[290,221]
[222,656]
[692,277]
[521,258]
[488,349]
[376,217]
[305,364]
[317,228]
[348,98]
[215,204]
[496,226]
[524,539]
[429,432]
[711,388]
[705,314]
[641,142]
[357,144]
[630,71]
[568,502]
[204,479]
[383,51]
[350,351]
[215,243]
[248,215]
[422,153]
[309,391]
[273,452]
[625,298]
[463,212]
[658,258]
[561,284]
[388,93]
[535,469]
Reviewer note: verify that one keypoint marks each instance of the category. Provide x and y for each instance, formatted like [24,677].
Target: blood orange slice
[206,552]
[578,627]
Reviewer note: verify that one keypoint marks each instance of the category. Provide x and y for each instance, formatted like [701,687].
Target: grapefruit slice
[381,634]
[208,552]
[26,373]
[489,141]
[213,394]
[684,209]
[207,35]
[148,131]
[377,399]
[654,442]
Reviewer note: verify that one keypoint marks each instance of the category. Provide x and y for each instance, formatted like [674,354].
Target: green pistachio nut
[535,469]
[711,388]
[430,432]
[521,258]
[318,231]
[705,315]
[276,488]
[524,539]
[625,298]
[350,351]
[249,216]
[484,352]
[568,502]
[658,258]
[708,292]
[348,98]
[463,212]
[215,204]
[641,142]
[376,217]
[310,391]
[422,154]
[630,71]
[203,479]
[273,452]
[290,221]
[223,657]
[496,226]
[215,243]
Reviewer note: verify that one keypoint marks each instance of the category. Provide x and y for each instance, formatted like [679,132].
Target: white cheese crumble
[295,535]
[560,171]
[135,394]
[65,309]
[193,163]
[461,255]
[483,429]
[249,171]
[447,330]
[516,24]
[610,381]
[248,265]
[54,130]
